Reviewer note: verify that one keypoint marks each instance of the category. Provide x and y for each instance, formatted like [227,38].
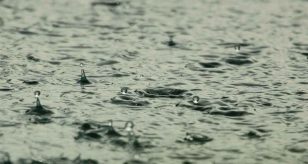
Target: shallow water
[253,102]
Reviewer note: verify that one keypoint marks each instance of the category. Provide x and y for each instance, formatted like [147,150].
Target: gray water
[253,102]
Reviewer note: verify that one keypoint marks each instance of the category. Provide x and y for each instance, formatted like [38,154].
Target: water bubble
[37,93]
[124,90]
[237,48]
[129,126]
[195,99]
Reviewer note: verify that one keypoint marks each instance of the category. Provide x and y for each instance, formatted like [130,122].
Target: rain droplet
[124,90]
[195,99]
[37,93]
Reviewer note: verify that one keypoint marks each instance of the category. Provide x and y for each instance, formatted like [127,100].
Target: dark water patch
[107,62]
[26,32]
[29,161]
[128,100]
[6,89]
[162,92]
[285,112]
[54,62]
[210,65]
[300,44]
[230,113]
[175,84]
[252,135]
[233,151]
[132,144]
[194,138]
[249,84]
[197,105]
[303,82]
[54,35]
[39,111]
[30,82]
[77,160]
[119,75]
[191,156]
[96,131]
[81,46]
[229,45]
[296,149]
[136,161]
[238,60]
[8,124]
[32,58]
[228,100]
[40,120]
[106,3]
[65,24]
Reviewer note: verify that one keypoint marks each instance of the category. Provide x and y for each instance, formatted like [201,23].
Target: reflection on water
[202,82]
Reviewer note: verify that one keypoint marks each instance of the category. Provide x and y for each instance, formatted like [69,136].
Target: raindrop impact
[195,99]
[38,102]
[237,48]
[129,127]
[83,78]
[124,90]
[171,43]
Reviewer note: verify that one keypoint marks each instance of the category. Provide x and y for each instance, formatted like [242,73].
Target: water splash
[129,127]
[237,48]
[83,78]
[171,43]
[38,109]
[38,102]
[195,99]
[124,90]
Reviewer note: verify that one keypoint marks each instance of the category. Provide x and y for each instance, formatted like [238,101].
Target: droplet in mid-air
[195,99]
[83,78]
[171,43]
[124,90]
[237,48]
